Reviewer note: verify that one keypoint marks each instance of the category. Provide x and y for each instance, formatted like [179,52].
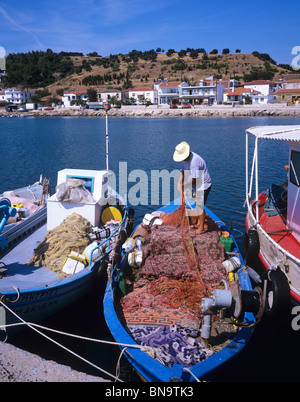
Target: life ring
[251,247]
[277,292]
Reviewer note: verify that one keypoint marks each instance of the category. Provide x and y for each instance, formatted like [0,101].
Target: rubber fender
[251,247]
[277,292]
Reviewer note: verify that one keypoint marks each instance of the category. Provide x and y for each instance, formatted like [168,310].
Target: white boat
[47,266]
[273,220]
[31,210]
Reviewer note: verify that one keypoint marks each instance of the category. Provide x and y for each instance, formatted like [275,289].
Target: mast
[107,107]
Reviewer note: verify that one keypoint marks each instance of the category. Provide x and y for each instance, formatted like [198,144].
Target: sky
[119,26]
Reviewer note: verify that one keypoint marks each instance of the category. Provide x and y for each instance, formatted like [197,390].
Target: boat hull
[272,255]
[32,306]
[151,370]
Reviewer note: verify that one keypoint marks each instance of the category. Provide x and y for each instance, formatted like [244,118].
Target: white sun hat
[182,151]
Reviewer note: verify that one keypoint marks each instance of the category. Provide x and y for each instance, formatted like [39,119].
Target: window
[295,168]
[283,97]
[88,181]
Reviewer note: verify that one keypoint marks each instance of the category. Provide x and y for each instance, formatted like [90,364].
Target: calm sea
[33,146]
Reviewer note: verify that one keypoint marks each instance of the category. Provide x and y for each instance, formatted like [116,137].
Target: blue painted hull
[150,369]
[34,305]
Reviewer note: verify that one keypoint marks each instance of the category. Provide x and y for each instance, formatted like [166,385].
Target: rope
[34,327]
[184,200]
[192,374]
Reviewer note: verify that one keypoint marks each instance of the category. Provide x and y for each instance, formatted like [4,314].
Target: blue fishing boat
[175,320]
[51,257]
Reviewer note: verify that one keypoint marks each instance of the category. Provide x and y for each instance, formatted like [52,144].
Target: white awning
[284,133]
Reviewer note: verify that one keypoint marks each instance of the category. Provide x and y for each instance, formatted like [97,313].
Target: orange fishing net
[179,269]
[181,218]
[178,293]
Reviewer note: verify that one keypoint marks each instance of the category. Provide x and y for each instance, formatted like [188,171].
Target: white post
[106,123]
[247,166]
[256,178]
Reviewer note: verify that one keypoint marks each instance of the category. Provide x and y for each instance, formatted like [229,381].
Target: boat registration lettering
[36,296]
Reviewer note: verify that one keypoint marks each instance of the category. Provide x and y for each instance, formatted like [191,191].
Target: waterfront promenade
[165,111]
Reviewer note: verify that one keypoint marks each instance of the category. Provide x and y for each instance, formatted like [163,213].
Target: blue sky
[119,26]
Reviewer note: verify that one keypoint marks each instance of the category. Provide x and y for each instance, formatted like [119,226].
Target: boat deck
[275,227]
[19,273]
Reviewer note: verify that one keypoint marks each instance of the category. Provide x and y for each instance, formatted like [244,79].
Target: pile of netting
[157,300]
[70,235]
[179,269]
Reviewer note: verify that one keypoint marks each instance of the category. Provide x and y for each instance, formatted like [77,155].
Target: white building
[208,92]
[140,95]
[18,97]
[289,93]
[291,84]
[72,97]
[266,88]
[240,95]
[105,95]
[168,91]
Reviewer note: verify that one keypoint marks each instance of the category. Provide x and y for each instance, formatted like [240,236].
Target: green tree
[170,52]
[92,95]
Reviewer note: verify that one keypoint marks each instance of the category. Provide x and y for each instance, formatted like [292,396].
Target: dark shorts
[206,192]
[201,197]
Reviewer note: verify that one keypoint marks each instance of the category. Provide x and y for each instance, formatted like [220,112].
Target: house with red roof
[289,93]
[140,95]
[266,88]
[241,94]
[74,96]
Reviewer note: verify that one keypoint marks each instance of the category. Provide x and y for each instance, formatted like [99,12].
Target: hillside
[58,72]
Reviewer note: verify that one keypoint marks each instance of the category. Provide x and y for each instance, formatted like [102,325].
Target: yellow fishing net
[70,235]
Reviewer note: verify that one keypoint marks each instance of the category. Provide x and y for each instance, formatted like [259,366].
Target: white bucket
[231,264]
[135,258]
[128,245]
[150,219]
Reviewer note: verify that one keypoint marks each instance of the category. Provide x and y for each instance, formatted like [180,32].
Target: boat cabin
[293,200]
[87,201]
[291,136]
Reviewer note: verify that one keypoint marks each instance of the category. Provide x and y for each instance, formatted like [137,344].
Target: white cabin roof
[284,133]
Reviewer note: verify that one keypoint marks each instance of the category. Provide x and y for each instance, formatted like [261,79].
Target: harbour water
[31,146]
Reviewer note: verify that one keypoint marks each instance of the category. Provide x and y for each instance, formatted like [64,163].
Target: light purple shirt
[192,166]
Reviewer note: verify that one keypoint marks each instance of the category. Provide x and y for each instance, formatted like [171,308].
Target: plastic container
[74,263]
[228,243]
[129,245]
[96,254]
[149,219]
[232,264]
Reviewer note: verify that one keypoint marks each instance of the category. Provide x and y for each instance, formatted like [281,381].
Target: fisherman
[194,173]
